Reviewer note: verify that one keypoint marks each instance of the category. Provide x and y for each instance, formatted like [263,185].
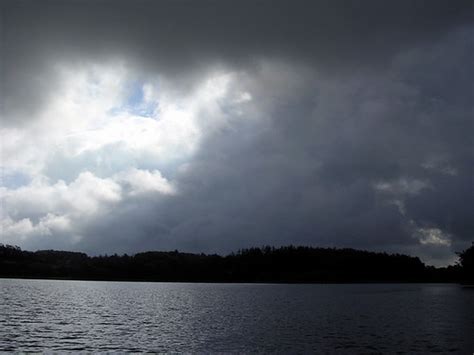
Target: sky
[209,126]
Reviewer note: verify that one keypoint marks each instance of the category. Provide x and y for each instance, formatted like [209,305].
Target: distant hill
[267,264]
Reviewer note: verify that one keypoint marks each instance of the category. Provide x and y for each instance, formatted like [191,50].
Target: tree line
[292,264]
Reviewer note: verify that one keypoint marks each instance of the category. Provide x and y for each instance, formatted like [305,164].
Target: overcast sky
[208,126]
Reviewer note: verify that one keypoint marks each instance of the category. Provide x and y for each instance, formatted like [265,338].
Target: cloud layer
[168,125]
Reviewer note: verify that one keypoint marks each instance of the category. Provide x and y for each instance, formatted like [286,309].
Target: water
[40,315]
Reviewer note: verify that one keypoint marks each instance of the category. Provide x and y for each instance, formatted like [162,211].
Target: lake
[50,315]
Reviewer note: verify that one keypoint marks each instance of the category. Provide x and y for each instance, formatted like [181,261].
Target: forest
[289,264]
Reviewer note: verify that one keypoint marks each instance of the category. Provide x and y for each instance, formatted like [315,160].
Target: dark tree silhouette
[266,264]
[466,260]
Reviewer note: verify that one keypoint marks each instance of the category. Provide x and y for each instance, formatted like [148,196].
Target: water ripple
[40,315]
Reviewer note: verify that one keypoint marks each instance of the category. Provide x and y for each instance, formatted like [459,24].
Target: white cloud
[22,230]
[144,181]
[44,209]
[88,111]
[102,139]
[88,193]
[85,195]
[433,236]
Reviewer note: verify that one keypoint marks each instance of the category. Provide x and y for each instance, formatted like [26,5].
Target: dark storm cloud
[367,93]
[179,37]
[308,175]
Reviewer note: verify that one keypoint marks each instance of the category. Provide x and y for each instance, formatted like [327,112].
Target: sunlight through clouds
[106,135]
[92,110]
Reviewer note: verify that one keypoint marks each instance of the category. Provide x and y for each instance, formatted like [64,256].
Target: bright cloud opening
[106,135]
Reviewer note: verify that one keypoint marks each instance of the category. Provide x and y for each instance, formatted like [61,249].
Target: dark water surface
[40,315]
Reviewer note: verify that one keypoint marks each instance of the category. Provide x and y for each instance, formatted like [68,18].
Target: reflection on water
[43,315]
